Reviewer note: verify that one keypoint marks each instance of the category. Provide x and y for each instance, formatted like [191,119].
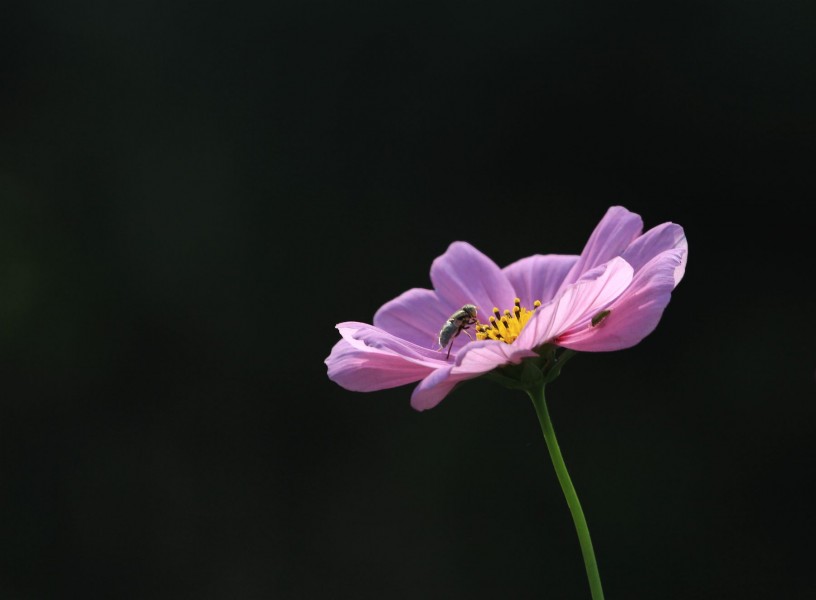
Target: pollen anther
[506,327]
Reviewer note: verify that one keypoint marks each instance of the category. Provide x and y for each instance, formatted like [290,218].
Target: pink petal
[668,236]
[416,316]
[485,355]
[463,275]
[363,370]
[539,277]
[618,228]
[433,389]
[367,337]
[577,303]
[635,314]
[474,360]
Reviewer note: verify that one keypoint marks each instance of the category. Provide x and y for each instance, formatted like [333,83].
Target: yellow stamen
[506,327]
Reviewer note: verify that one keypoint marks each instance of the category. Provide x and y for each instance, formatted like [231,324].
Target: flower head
[608,298]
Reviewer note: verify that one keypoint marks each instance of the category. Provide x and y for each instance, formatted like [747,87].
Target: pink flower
[608,298]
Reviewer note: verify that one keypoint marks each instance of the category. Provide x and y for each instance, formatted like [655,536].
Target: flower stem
[537,395]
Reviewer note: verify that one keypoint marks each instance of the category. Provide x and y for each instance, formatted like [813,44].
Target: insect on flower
[458,322]
[609,297]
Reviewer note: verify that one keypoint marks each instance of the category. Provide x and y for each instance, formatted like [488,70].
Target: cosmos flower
[608,298]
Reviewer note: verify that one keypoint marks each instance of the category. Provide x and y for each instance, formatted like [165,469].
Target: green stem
[537,395]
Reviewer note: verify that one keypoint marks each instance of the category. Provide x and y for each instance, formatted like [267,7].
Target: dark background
[192,194]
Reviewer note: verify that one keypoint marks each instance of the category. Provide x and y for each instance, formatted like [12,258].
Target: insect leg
[450,345]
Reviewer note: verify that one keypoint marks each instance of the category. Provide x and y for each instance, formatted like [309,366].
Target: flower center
[506,327]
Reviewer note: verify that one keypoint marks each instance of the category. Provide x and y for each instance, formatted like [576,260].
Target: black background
[192,194]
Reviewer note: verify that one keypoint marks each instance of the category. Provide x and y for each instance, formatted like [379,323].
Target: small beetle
[458,322]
